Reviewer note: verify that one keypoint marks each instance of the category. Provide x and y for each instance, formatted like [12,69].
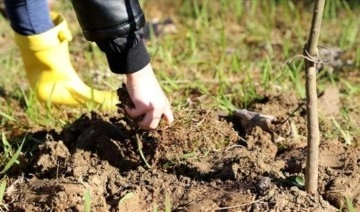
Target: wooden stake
[311,53]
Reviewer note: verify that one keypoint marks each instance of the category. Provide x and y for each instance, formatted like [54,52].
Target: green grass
[2,193]
[87,200]
[230,52]
[348,206]
[9,157]
[167,202]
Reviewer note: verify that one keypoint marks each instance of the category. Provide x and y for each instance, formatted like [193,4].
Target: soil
[205,161]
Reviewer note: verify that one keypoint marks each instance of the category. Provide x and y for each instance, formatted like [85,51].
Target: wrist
[144,73]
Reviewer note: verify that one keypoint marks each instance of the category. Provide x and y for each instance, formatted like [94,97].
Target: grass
[125,198]
[9,158]
[230,52]
[348,205]
[345,135]
[87,200]
[167,203]
[2,191]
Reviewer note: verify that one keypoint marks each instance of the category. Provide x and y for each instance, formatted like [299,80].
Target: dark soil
[205,161]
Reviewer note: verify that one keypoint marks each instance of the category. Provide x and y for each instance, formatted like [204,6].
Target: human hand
[149,99]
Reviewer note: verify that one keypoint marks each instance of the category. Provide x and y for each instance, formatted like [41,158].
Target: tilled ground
[204,162]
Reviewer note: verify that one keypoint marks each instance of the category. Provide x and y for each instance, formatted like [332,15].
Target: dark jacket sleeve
[117,28]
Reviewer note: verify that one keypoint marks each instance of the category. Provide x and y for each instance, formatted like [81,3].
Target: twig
[313,137]
[138,140]
[233,146]
[242,205]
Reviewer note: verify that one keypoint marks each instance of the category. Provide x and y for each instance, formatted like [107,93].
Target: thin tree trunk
[312,160]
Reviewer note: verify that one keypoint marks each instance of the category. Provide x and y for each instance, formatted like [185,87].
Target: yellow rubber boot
[50,72]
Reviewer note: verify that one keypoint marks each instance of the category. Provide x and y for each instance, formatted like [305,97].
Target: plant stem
[312,160]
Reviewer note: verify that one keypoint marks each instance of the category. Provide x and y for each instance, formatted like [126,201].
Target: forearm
[117,28]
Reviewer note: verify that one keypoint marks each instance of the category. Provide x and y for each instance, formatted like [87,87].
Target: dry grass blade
[124,198]
[242,205]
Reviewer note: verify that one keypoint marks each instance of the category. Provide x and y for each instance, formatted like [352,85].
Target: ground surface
[99,153]
[211,158]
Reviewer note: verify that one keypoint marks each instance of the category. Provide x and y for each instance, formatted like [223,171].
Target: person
[116,26]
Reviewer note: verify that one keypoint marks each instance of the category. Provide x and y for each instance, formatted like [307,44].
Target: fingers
[168,115]
[152,117]
[134,112]
[150,121]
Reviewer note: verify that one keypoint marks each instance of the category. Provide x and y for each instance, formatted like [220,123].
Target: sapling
[313,137]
